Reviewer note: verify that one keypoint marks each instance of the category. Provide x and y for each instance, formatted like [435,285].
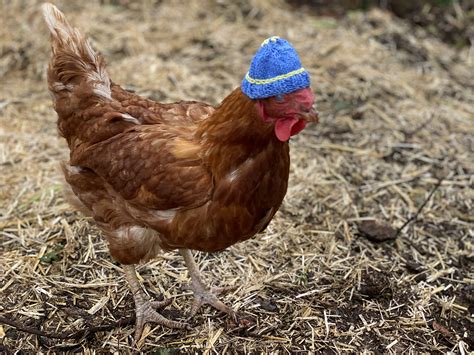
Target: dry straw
[397,110]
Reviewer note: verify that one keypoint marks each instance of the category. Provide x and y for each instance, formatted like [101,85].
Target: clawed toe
[145,312]
[161,304]
[204,296]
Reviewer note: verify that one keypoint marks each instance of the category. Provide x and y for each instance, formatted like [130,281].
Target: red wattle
[287,127]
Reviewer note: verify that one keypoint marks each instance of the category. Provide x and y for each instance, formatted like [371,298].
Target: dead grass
[397,114]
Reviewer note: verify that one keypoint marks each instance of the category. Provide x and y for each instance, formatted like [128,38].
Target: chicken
[184,175]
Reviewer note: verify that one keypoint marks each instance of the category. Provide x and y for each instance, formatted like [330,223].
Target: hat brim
[280,87]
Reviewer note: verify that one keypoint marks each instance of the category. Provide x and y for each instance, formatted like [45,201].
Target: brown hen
[158,176]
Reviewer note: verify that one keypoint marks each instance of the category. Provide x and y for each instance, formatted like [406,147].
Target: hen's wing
[153,163]
[151,167]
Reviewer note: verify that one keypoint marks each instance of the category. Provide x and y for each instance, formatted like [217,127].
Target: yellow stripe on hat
[275,78]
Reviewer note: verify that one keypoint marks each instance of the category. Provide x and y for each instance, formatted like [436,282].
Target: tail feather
[74,62]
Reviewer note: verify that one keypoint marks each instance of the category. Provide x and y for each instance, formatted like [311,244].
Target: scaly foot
[145,309]
[202,294]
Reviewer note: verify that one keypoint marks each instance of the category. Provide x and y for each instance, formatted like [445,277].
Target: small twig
[415,216]
[67,335]
[42,320]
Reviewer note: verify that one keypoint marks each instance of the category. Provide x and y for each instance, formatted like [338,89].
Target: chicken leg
[202,294]
[145,309]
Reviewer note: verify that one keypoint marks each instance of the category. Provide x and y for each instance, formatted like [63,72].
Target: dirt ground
[396,134]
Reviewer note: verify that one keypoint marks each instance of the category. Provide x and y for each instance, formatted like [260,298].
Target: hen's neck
[234,133]
[235,121]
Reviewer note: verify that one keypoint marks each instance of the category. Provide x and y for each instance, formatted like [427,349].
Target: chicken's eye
[279,98]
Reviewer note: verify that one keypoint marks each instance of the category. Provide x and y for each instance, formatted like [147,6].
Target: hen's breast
[244,201]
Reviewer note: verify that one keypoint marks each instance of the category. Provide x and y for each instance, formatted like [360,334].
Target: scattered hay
[397,108]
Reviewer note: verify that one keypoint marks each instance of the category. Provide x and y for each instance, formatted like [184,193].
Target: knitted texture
[275,70]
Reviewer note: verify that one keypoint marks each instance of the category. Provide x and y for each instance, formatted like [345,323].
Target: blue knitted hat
[275,70]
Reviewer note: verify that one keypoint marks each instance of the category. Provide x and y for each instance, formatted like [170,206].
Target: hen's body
[167,176]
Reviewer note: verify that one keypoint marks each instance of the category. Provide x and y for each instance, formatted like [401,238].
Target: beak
[311,116]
